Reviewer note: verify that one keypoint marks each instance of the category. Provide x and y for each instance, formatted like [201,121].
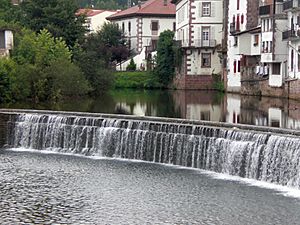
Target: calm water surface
[56,189]
[197,105]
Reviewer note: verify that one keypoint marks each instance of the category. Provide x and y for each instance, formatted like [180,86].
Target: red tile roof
[151,7]
[91,12]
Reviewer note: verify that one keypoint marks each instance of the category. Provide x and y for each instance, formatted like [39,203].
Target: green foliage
[218,84]
[57,16]
[64,79]
[7,68]
[165,61]
[136,79]
[40,49]
[131,66]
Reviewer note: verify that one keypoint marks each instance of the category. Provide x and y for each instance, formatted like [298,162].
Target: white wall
[98,20]
[9,39]
[233,54]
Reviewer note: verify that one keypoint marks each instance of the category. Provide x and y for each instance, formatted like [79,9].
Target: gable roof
[91,12]
[149,8]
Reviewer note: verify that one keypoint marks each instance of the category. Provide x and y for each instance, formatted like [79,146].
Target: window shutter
[212,33]
[212,9]
[200,9]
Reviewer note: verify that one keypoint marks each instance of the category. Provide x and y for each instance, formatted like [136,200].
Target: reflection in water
[195,105]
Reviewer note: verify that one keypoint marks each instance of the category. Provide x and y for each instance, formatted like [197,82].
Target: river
[195,105]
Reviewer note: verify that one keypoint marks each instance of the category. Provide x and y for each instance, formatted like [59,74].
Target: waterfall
[256,155]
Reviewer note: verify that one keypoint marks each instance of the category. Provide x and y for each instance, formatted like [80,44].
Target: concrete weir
[262,153]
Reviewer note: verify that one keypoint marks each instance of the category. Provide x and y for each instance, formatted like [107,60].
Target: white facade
[6,42]
[293,37]
[139,30]
[199,27]
[237,21]
[274,50]
[95,22]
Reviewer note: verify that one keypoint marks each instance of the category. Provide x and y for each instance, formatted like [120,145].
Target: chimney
[165,2]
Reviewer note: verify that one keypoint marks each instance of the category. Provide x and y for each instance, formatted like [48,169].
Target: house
[274,49]
[6,42]
[142,25]
[292,35]
[199,33]
[95,18]
[241,41]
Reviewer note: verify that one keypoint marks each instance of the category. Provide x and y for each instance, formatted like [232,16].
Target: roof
[149,8]
[91,12]
[253,30]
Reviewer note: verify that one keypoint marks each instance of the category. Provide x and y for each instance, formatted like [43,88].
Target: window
[276,68]
[239,66]
[154,27]
[123,27]
[234,66]
[129,27]
[205,33]
[174,27]
[206,8]
[238,4]
[298,58]
[236,41]
[292,60]
[205,57]
[256,40]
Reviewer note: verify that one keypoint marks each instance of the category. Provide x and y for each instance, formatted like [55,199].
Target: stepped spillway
[263,156]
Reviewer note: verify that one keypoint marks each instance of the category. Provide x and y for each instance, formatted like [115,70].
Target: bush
[136,79]
[131,66]
[63,78]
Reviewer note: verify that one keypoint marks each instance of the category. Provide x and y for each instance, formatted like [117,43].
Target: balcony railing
[265,10]
[198,43]
[233,29]
[288,5]
[290,34]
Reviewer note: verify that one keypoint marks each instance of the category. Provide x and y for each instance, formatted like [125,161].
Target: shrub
[131,66]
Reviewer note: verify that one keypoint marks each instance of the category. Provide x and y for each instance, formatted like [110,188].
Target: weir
[265,154]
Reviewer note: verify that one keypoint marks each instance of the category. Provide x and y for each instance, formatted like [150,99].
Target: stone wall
[4,128]
[290,89]
[194,82]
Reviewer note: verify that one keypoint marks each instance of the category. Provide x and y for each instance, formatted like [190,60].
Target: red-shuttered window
[238,23]
[234,66]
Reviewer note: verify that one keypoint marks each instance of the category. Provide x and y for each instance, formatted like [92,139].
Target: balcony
[291,4]
[290,35]
[268,10]
[233,28]
[198,43]
[265,10]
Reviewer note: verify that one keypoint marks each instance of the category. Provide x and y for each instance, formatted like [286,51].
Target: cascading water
[262,156]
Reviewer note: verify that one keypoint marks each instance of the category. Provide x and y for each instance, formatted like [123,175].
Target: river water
[196,105]
[40,188]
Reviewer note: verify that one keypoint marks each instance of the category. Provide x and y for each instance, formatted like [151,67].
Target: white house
[242,18]
[95,18]
[6,42]
[274,49]
[199,30]
[142,25]
[292,35]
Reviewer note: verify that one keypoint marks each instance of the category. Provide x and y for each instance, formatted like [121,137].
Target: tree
[99,54]
[40,74]
[165,60]
[131,66]
[57,16]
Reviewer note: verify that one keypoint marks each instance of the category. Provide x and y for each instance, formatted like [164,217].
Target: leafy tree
[57,16]
[7,68]
[165,68]
[99,54]
[37,56]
